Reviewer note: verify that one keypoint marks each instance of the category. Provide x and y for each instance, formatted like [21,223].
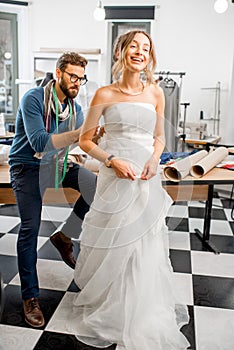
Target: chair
[177,138]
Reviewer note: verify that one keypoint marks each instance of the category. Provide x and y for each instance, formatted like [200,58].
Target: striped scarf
[49,107]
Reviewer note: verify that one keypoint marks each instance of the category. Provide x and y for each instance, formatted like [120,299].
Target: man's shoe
[32,313]
[64,245]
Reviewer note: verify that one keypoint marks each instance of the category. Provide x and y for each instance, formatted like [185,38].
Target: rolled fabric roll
[181,168]
[203,166]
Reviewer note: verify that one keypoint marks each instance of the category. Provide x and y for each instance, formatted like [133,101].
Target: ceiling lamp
[7,55]
[221,6]
[99,12]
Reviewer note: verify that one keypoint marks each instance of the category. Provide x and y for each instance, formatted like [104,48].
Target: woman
[123,269]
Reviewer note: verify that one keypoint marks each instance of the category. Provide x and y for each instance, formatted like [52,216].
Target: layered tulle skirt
[127,292]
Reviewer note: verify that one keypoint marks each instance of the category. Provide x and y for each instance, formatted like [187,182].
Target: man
[47,122]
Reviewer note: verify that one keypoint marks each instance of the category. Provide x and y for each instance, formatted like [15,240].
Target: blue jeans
[29,184]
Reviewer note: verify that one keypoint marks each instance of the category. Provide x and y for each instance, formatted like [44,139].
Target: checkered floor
[207,280]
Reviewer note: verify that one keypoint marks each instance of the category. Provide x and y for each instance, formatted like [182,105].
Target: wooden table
[197,142]
[8,135]
[183,192]
[66,195]
[186,190]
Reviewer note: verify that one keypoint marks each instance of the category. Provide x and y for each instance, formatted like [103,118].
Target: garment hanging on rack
[172,95]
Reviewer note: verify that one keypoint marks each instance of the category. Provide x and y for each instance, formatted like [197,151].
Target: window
[119,28]
[8,66]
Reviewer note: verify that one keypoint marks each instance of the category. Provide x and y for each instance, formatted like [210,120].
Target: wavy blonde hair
[119,55]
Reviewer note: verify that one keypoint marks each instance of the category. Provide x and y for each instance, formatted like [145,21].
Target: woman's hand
[122,169]
[150,168]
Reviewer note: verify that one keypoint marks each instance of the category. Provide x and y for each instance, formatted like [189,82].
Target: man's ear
[58,73]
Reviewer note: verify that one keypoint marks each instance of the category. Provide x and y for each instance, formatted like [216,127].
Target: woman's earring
[144,74]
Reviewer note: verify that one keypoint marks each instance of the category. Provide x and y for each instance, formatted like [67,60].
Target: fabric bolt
[167,156]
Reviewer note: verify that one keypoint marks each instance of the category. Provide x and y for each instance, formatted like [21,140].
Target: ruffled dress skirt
[124,272]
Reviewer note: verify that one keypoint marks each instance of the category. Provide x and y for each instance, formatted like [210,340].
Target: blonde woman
[123,270]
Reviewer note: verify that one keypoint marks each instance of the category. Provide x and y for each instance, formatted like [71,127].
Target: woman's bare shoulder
[105,91]
[156,89]
[104,96]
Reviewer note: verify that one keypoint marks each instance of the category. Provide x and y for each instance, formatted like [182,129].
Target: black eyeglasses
[74,78]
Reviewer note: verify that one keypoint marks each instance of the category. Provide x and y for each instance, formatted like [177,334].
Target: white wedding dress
[123,269]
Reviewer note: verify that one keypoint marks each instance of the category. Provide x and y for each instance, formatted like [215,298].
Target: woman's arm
[90,126]
[159,134]
[97,106]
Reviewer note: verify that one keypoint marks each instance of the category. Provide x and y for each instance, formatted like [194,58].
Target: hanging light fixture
[99,12]
[221,6]
[7,55]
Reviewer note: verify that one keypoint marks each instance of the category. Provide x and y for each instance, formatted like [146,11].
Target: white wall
[193,38]
[188,34]
[229,131]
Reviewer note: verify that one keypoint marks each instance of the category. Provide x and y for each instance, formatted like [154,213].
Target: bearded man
[48,121]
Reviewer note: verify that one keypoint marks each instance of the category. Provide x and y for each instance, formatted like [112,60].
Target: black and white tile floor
[207,280]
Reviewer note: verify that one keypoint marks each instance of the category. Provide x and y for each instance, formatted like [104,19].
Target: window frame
[12,18]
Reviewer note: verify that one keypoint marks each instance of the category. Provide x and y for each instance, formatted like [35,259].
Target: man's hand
[98,134]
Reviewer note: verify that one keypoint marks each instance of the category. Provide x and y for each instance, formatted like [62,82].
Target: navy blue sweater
[31,135]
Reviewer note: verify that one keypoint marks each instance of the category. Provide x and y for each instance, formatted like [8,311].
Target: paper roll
[181,168]
[202,167]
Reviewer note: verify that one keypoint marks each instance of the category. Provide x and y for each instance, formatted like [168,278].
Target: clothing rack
[181,75]
[167,73]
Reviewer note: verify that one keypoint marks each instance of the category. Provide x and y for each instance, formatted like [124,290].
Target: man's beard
[71,93]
